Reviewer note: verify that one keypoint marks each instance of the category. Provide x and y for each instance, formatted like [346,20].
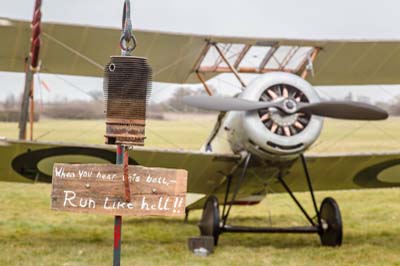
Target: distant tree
[10,102]
[96,95]
[325,98]
[75,109]
[176,101]
[394,109]
[363,98]
[349,97]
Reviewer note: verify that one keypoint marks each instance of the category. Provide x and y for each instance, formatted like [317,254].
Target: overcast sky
[339,19]
[306,19]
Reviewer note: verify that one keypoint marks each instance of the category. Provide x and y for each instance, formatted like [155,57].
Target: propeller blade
[217,103]
[336,109]
[345,110]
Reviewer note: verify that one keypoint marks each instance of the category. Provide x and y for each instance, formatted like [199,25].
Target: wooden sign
[99,188]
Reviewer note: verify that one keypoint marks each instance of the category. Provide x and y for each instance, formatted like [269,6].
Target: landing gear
[331,223]
[185,220]
[327,222]
[210,222]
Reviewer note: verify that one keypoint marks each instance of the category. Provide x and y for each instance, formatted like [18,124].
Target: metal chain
[128,40]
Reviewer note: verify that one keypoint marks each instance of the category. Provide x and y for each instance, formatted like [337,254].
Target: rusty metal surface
[127,88]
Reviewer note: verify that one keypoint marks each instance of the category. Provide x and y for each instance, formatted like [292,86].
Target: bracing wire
[69,48]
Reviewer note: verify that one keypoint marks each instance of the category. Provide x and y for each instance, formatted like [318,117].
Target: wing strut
[236,58]
[31,67]
[308,64]
[233,70]
[200,77]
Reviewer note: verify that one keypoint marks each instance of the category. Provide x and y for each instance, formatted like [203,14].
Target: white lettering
[121,205]
[105,204]
[69,199]
[110,205]
[84,173]
[83,202]
[157,180]
[166,203]
[60,172]
[159,203]
[92,204]
[106,176]
[145,205]
[134,178]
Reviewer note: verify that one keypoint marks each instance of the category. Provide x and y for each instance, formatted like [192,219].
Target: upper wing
[84,50]
[29,161]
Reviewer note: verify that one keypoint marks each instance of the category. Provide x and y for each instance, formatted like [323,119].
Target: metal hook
[127,35]
[127,46]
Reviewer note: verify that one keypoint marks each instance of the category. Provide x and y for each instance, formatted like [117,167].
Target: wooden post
[25,101]
[31,112]
[32,66]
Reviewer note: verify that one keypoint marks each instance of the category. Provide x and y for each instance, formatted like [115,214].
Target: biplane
[258,143]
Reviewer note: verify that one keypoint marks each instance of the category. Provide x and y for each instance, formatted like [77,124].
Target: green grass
[358,136]
[189,134]
[336,136]
[32,234]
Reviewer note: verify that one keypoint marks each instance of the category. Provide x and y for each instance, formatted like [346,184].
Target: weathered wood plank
[99,188]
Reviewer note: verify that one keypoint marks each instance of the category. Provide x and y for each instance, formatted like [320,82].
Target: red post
[126,175]
[117,240]
[118,219]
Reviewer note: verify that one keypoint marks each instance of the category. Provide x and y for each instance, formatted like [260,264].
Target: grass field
[32,234]
[190,132]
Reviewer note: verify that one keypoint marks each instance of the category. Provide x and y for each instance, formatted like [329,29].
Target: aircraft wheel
[331,223]
[209,223]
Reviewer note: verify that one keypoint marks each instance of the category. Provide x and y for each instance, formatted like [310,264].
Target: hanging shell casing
[127,88]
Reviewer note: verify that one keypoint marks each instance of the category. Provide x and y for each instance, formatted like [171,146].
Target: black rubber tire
[210,219]
[330,215]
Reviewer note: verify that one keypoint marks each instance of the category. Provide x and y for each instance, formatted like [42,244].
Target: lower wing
[327,172]
[22,161]
[347,171]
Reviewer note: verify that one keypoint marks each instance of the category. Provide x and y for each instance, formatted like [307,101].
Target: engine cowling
[268,132]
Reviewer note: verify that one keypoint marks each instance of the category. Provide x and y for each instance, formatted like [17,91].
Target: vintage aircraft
[257,145]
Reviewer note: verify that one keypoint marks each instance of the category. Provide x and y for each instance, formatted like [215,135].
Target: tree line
[94,108]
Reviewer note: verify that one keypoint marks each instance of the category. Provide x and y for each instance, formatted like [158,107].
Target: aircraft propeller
[335,109]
